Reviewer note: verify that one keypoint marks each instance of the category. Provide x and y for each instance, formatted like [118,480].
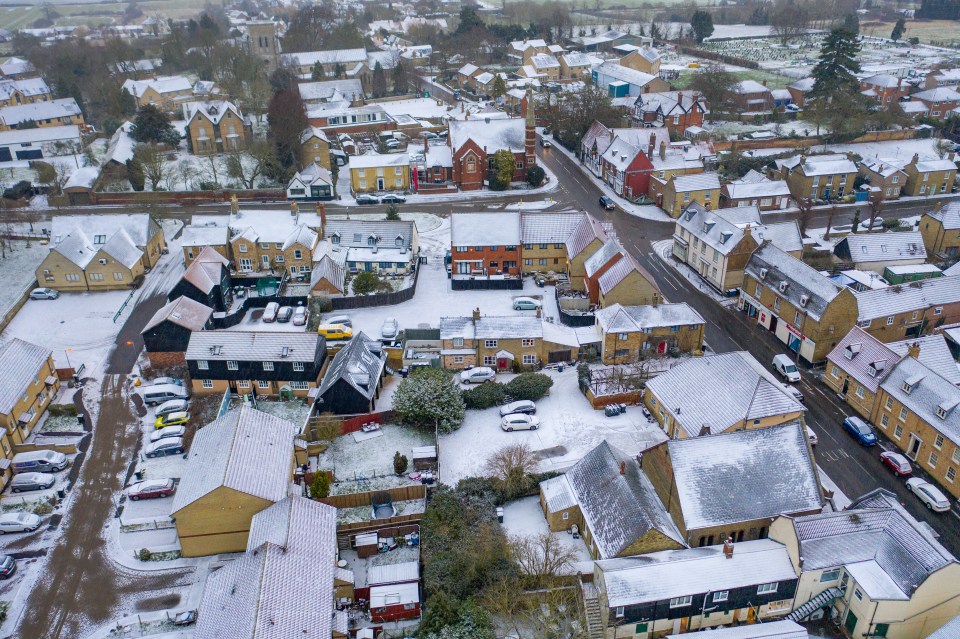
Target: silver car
[523,406]
[300,316]
[172,406]
[167,432]
[18,522]
[44,294]
[390,328]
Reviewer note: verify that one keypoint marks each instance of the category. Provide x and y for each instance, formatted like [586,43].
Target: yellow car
[180,418]
[335,331]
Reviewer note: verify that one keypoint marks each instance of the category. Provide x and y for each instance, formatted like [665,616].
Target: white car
[163,381]
[44,294]
[18,522]
[519,421]
[167,432]
[172,406]
[477,375]
[929,494]
[390,328]
[522,406]
[812,436]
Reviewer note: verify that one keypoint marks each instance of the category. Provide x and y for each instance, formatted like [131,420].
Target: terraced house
[269,241]
[50,113]
[543,237]
[676,193]
[818,177]
[629,333]
[940,230]
[930,176]
[905,311]
[497,342]
[29,384]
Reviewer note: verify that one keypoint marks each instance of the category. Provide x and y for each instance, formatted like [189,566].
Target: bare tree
[511,466]
[211,171]
[832,212]
[154,162]
[250,166]
[542,555]
[789,20]
[875,206]
[805,206]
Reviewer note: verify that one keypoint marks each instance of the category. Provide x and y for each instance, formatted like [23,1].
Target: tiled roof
[588,230]
[621,269]
[36,111]
[801,280]
[485,229]
[139,226]
[948,215]
[357,233]
[696,182]
[328,269]
[934,354]
[547,228]
[20,361]
[902,298]
[558,494]
[122,248]
[881,247]
[491,135]
[711,227]
[929,397]
[627,319]
[204,271]
[357,364]
[863,357]
[184,312]
[253,346]
[332,56]
[610,251]
[491,327]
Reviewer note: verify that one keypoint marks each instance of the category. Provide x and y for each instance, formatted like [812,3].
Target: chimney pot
[728,548]
[914,350]
[623,468]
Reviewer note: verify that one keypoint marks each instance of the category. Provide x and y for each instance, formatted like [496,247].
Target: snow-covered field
[524,518]
[569,429]
[19,268]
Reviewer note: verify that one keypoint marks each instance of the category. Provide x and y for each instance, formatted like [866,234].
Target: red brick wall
[489,256]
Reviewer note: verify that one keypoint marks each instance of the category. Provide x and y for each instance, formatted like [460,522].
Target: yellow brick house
[677,192]
[216,127]
[929,176]
[940,229]
[29,385]
[818,177]
[497,342]
[376,172]
[630,333]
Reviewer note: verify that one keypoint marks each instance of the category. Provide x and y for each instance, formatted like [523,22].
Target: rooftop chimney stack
[914,350]
[663,149]
[234,204]
[322,213]
[728,548]
[623,468]
[476,314]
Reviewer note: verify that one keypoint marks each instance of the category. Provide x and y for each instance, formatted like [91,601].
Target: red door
[502,363]
[661,348]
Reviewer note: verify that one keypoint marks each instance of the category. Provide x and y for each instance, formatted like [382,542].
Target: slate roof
[76,247]
[214,110]
[283,586]
[548,228]
[934,354]
[668,102]
[491,136]
[801,279]
[711,227]
[344,89]
[770,630]
[205,270]
[620,270]
[620,154]
[161,84]
[273,227]
[491,327]
[139,226]
[618,509]
[610,251]
[930,395]
[633,319]
[558,494]
[743,476]
[695,182]
[881,247]
[485,229]
[357,364]
[664,575]
[902,298]
[252,346]
[588,230]
[949,630]
[832,164]
[625,74]
[386,230]
[332,56]
[948,215]
[875,534]
[204,235]
[863,357]
[35,111]
[764,189]
[696,387]
[184,312]
[328,269]
[20,361]
[122,248]
[245,450]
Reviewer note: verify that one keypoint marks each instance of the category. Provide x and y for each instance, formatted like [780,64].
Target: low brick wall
[66,449]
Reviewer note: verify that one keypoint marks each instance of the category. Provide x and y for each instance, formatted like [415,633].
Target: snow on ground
[252,322]
[350,460]
[420,108]
[664,250]
[524,518]
[19,267]
[569,429]
[295,411]
[425,222]
[533,205]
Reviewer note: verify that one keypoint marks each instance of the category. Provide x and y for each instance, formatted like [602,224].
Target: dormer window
[941,412]
[852,350]
[335,238]
[907,387]
[398,242]
[371,241]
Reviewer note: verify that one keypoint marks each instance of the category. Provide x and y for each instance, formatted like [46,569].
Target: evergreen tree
[401,80]
[834,74]
[702,23]
[338,71]
[429,398]
[499,88]
[316,73]
[151,125]
[898,29]
[378,86]
[655,31]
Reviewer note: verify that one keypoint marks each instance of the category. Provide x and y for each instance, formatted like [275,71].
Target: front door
[502,363]
[265,259]
[851,622]
[380,184]
[914,449]
[662,347]
[846,385]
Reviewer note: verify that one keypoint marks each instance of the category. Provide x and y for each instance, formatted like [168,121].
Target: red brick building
[598,264]
[884,89]
[675,110]
[485,244]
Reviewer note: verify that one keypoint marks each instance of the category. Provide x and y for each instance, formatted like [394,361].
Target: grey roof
[695,182]
[901,298]
[743,476]
[184,312]
[491,327]
[283,586]
[357,364]
[558,494]
[139,226]
[328,269]
[247,346]
[548,228]
[385,231]
[20,362]
[710,227]
[801,279]
[622,268]
[830,164]
[718,391]
[948,215]
[245,450]
[934,354]
[875,530]
[588,230]
[771,630]
[633,319]
[485,229]
[882,247]
[35,111]
[664,575]
[204,235]
[122,248]
[863,357]
[930,394]
[610,251]
[618,508]
[784,235]
[204,272]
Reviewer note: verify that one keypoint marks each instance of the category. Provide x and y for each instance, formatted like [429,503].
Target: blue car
[861,430]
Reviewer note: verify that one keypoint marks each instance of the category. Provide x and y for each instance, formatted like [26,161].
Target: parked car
[340,319]
[367,199]
[151,489]
[285,314]
[8,566]
[393,144]
[793,392]
[270,312]
[477,375]
[163,381]
[181,418]
[861,430]
[393,199]
[929,494]
[786,368]
[607,203]
[390,328]
[153,395]
[25,482]
[39,461]
[44,294]
[300,316]
[173,406]
[167,432]
[185,618]
[519,421]
[526,304]
[812,436]
[896,462]
[18,522]
[524,406]
[172,446]
[335,331]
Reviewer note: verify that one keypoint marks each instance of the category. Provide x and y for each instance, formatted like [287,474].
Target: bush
[531,386]
[399,463]
[144,554]
[22,189]
[320,487]
[484,396]
[535,176]
[429,398]
[891,224]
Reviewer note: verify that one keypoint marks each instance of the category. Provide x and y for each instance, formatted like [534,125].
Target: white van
[787,369]
[153,395]
[39,461]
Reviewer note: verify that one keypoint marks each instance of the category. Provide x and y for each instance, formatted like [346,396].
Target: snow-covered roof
[205,271]
[934,354]
[122,248]
[204,235]
[577,59]
[394,595]
[772,266]
[720,391]
[16,66]
[359,233]
[76,247]
[326,268]
[928,165]
[485,229]
[39,135]
[619,508]
[215,110]
[611,251]
[834,164]
[244,450]
[313,173]
[948,215]
[620,154]
[588,230]
[784,235]
[378,160]
[863,357]
[283,586]
[84,177]
[20,362]
[804,85]
[669,102]
[619,272]
[393,573]
[547,228]
[184,312]
[491,327]
[544,61]
[269,226]
[558,494]
[883,167]
[752,474]
[668,574]
[489,134]
[902,298]
[711,227]
[949,630]
[27,86]
[121,145]
[940,94]
[883,80]
[881,247]
[914,107]
[878,538]
[749,86]
[769,630]
[332,56]
[636,319]
[750,190]
[37,111]
[625,74]
[695,182]
[929,395]
[327,90]
[161,84]
[523,45]
[359,364]
[254,346]
[139,226]
[468,69]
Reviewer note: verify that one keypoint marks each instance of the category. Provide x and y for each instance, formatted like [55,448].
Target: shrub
[484,396]
[535,176]
[22,189]
[320,487]
[42,508]
[144,554]
[399,463]
[531,386]
[891,223]
[429,398]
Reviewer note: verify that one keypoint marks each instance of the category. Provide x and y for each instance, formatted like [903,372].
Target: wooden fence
[355,500]
[186,197]
[378,299]
[16,306]
[403,521]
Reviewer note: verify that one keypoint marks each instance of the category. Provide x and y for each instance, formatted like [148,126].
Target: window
[680,602]
[242,247]
[278,259]
[203,365]
[889,404]
[766,589]
[865,323]
[956,456]
[776,304]
[458,359]
[756,291]
[938,442]
[96,277]
[231,365]
[835,372]
[898,431]
[268,366]
[828,576]
[543,261]
[298,367]
[526,343]
[723,595]
[528,262]
[118,277]
[73,277]
[619,611]
[857,593]
[490,343]
[529,359]
[903,414]
[860,391]
[951,474]
[207,383]
[243,383]
[938,310]
[884,421]
[796,318]
[300,385]
[489,360]
[263,384]
[932,461]
[297,254]
[458,341]
[889,320]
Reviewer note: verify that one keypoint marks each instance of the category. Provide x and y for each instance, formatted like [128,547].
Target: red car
[896,462]
[151,489]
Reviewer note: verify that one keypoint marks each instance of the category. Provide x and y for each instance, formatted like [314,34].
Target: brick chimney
[530,132]
[294,210]
[656,300]
[426,145]
[728,548]
[623,468]
[663,149]
[322,212]
[651,147]
[234,204]
[476,315]
[913,350]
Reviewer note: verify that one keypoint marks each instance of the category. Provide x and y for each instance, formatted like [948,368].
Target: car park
[861,430]
[526,304]
[270,312]
[153,395]
[25,482]
[524,406]
[477,375]
[929,494]
[607,203]
[44,294]
[167,432]
[285,314]
[172,419]
[519,421]
[8,566]
[173,406]
[390,328]
[367,199]
[786,367]
[172,446]
[162,381]
[18,522]
[151,489]
[896,462]
[300,316]
[393,199]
